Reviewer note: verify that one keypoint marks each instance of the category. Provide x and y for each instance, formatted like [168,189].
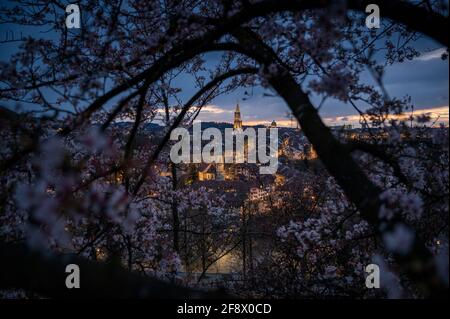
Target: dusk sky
[425,79]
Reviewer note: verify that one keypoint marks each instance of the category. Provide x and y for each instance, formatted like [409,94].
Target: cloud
[215,113]
[432,55]
[215,109]
[283,123]
[438,114]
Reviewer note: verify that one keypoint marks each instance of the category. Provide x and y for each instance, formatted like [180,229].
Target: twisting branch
[419,19]
[210,85]
[419,263]
[137,122]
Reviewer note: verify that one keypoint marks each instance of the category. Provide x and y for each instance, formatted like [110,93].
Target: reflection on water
[229,263]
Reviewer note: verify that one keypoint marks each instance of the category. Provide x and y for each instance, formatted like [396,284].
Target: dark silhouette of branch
[419,263]
[44,273]
[181,115]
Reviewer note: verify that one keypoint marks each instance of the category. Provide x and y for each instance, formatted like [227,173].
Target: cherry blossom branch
[418,263]
[210,85]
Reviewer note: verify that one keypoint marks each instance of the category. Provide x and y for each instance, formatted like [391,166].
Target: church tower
[237,118]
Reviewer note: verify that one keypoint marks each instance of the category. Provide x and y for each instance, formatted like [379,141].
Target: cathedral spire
[237,118]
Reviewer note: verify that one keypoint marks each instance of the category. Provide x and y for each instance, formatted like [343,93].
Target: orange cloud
[437,114]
